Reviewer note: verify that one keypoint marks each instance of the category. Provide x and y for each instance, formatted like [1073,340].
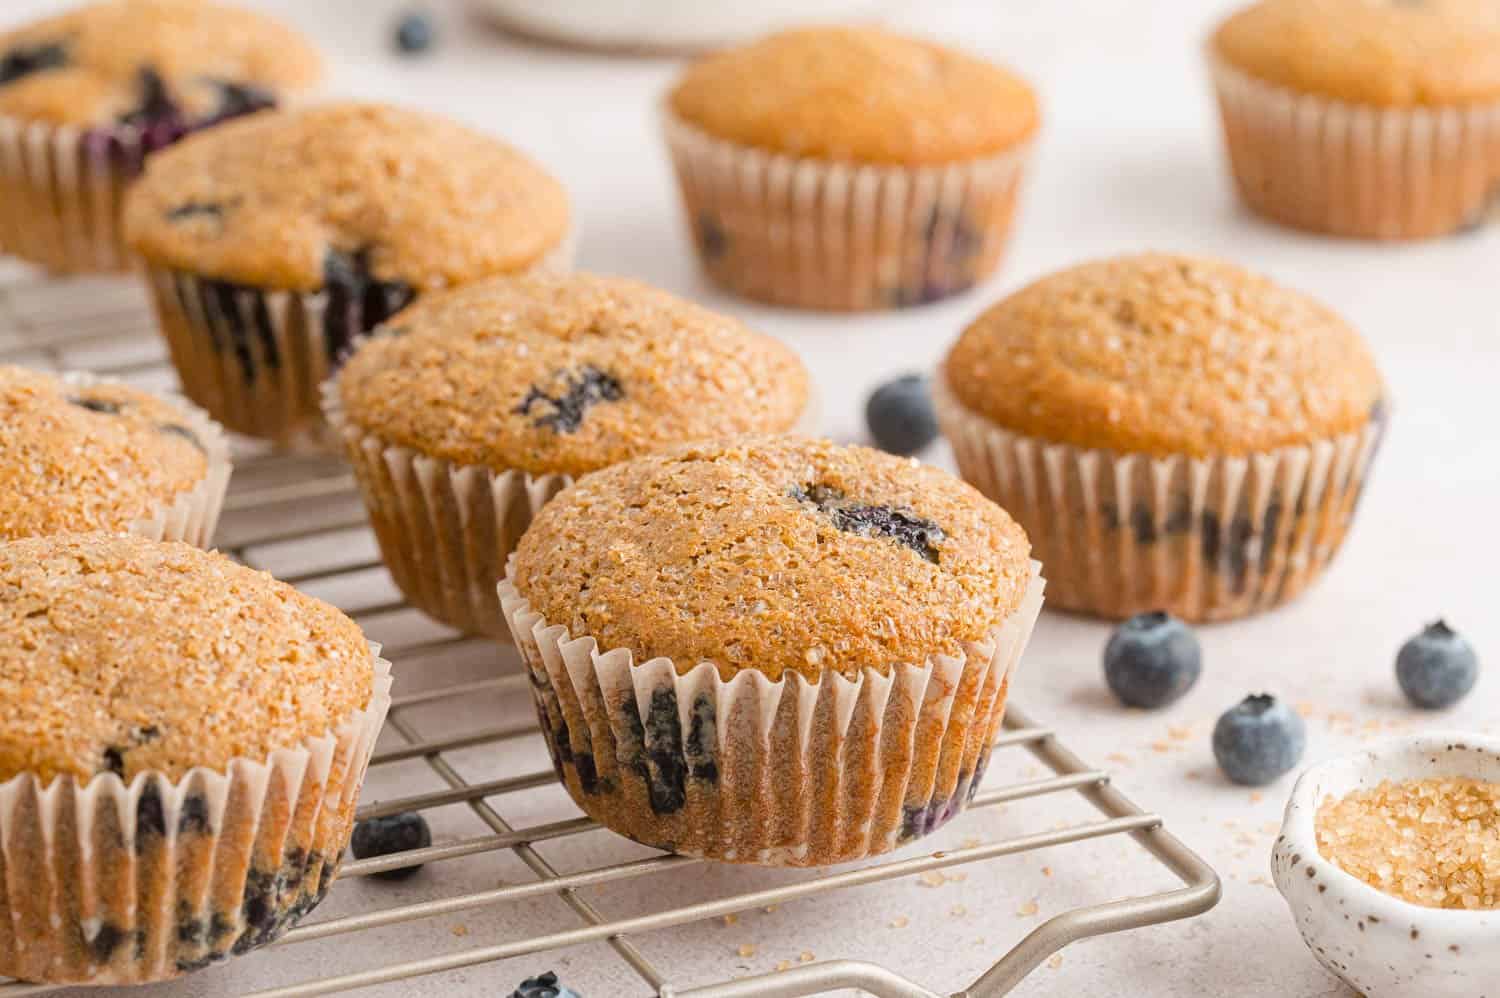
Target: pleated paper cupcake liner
[1358,170]
[1211,538]
[192,516]
[445,530]
[255,357]
[785,773]
[115,883]
[819,234]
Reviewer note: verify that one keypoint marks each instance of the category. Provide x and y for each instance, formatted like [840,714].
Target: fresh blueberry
[900,415]
[414,32]
[386,836]
[545,986]
[1259,740]
[1437,668]
[1151,660]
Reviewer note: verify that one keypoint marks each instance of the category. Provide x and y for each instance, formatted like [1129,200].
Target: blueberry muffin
[797,653]
[86,95]
[475,406]
[1377,119]
[79,455]
[271,243]
[182,742]
[849,167]
[1175,433]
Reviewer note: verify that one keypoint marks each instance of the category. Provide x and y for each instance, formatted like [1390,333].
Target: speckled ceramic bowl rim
[1299,829]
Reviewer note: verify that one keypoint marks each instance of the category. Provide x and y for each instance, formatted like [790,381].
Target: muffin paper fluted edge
[845,236]
[115,883]
[445,530]
[255,358]
[1358,170]
[192,516]
[1212,538]
[784,773]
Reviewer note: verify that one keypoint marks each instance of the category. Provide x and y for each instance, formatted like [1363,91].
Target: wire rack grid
[300,518]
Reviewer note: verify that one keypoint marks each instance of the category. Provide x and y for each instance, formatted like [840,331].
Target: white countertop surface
[1129,160]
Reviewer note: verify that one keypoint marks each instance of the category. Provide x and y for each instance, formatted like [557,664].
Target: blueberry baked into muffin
[472,408]
[1377,119]
[87,95]
[272,243]
[78,455]
[849,167]
[182,743]
[769,649]
[1175,433]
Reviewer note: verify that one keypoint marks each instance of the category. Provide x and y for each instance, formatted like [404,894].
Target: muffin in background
[849,167]
[78,454]
[474,407]
[87,95]
[1174,433]
[182,744]
[770,649]
[271,244]
[1376,119]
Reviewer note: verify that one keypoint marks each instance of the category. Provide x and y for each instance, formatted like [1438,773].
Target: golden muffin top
[858,94]
[775,553]
[1165,354]
[1395,53]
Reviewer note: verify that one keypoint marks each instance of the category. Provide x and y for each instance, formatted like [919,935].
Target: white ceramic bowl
[665,24]
[1380,945]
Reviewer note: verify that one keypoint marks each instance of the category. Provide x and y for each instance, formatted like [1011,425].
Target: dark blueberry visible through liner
[667,785]
[150,819]
[702,740]
[357,301]
[103,406]
[114,761]
[105,942]
[713,241]
[585,389]
[178,430]
[900,525]
[194,817]
[24,61]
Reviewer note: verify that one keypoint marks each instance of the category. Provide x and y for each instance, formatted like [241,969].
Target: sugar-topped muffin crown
[857,93]
[294,200]
[1165,354]
[775,553]
[100,457]
[126,655]
[1383,52]
[565,374]
[117,61]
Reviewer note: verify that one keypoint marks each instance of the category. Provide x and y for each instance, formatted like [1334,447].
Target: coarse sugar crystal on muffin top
[101,457]
[151,63]
[565,374]
[1165,354]
[861,94]
[775,553]
[127,655]
[388,200]
[1389,53]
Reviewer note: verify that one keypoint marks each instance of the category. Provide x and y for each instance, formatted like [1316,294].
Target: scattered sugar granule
[1161,747]
[730,919]
[900,922]
[1180,733]
[971,843]
[806,956]
[1433,842]
[1055,962]
[460,930]
[1119,758]
[1046,871]
[1261,882]
[933,878]
[957,878]
[958,911]
[771,909]
[747,950]
[784,965]
[1256,797]
[1028,909]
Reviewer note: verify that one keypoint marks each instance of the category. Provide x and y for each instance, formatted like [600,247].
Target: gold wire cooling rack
[300,518]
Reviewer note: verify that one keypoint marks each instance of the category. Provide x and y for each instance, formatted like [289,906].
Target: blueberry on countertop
[1437,668]
[1259,740]
[545,986]
[1152,660]
[389,835]
[900,415]
[414,32]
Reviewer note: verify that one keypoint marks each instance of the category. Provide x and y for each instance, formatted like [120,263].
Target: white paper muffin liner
[1212,538]
[1358,170]
[820,234]
[445,530]
[254,357]
[109,883]
[192,516]
[785,773]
